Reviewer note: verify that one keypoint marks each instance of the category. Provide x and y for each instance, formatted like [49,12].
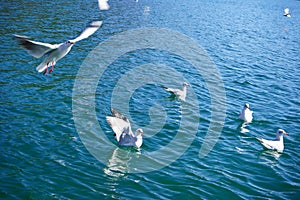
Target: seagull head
[69,43]
[247,106]
[139,131]
[281,132]
[185,84]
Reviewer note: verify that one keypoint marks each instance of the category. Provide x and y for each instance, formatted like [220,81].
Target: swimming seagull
[246,113]
[103,5]
[123,133]
[53,52]
[276,144]
[287,12]
[181,94]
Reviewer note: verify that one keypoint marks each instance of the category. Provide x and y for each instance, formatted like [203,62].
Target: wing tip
[116,114]
[96,24]
[20,36]
[22,40]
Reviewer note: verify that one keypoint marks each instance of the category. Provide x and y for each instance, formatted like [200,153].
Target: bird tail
[42,66]
[166,88]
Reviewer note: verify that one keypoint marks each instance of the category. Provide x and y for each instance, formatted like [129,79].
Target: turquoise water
[255,49]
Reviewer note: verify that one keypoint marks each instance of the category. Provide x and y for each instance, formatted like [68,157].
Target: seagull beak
[286,133]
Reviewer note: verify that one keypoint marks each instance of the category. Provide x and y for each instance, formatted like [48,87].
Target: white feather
[122,129]
[276,144]
[181,94]
[246,114]
[53,52]
[103,5]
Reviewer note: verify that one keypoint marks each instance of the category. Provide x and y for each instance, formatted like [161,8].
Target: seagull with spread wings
[122,129]
[53,52]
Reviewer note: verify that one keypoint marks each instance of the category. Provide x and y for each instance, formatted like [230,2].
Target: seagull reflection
[146,9]
[269,157]
[243,128]
[119,163]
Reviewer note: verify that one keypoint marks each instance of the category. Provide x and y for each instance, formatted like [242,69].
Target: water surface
[255,49]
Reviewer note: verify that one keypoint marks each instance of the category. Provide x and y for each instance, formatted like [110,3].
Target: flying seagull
[53,52]
[246,113]
[181,94]
[287,12]
[123,133]
[276,144]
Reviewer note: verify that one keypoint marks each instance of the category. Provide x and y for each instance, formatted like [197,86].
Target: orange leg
[46,70]
[51,70]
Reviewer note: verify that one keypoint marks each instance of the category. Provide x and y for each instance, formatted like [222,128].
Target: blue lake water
[46,154]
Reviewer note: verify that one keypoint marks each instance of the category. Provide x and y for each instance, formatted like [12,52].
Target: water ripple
[256,50]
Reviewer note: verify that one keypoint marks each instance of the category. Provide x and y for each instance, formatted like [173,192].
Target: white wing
[272,144]
[177,92]
[266,143]
[36,49]
[174,91]
[91,29]
[120,124]
[103,5]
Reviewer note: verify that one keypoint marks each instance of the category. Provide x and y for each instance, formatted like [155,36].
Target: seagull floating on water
[181,94]
[287,12]
[276,144]
[103,5]
[123,133]
[53,52]
[246,113]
